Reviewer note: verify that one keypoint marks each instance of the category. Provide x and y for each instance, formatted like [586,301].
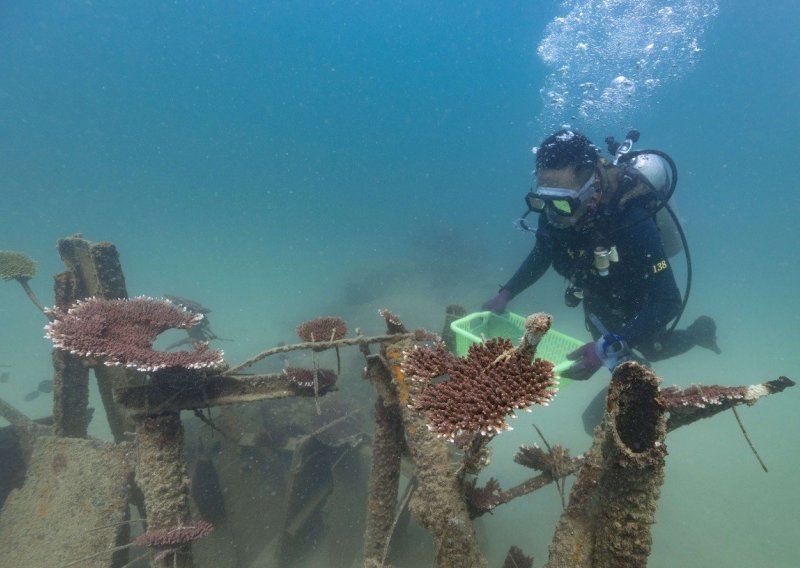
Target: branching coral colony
[20,267]
[438,411]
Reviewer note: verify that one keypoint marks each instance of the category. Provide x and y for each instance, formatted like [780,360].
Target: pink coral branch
[393,323]
[483,389]
[327,328]
[174,537]
[122,332]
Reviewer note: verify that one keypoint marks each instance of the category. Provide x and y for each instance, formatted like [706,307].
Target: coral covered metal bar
[94,271]
[162,476]
[438,502]
[704,401]
[384,478]
[174,392]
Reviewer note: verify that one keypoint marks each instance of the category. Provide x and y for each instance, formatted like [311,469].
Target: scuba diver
[600,227]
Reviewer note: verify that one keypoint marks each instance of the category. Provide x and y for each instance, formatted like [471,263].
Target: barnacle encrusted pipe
[633,470]
[122,332]
[612,504]
[162,476]
[483,389]
[384,479]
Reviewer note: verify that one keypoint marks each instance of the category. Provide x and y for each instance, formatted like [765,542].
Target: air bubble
[599,52]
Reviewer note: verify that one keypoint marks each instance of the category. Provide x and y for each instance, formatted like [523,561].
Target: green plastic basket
[484,325]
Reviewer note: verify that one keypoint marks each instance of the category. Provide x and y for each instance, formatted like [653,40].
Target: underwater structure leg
[613,502]
[70,395]
[162,476]
[70,375]
[438,501]
[633,468]
[94,270]
[384,477]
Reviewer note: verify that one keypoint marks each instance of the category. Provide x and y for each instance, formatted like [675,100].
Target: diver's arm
[658,296]
[532,268]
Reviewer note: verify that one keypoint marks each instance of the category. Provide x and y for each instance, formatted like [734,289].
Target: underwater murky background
[277,161]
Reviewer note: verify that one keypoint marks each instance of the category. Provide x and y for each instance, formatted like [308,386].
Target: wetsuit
[637,298]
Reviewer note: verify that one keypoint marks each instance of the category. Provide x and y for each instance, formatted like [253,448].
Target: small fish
[46,386]
[4,376]
[31,396]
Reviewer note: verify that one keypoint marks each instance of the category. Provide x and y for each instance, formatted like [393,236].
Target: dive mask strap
[522,224]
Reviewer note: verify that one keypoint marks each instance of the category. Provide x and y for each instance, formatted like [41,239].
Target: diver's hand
[587,362]
[499,302]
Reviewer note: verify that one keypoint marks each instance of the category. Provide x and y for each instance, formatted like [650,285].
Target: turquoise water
[278,161]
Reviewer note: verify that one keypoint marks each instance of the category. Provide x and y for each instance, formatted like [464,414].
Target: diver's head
[567,149]
[565,177]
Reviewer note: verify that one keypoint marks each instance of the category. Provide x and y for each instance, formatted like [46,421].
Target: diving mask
[561,201]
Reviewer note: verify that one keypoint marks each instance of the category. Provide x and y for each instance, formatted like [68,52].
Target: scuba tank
[657,170]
